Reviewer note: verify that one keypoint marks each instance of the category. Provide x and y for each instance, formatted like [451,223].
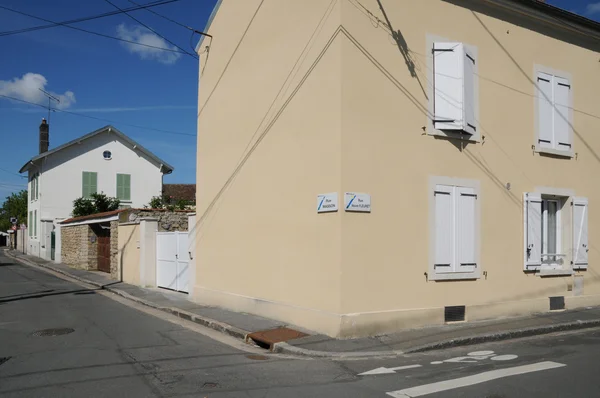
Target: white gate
[172,261]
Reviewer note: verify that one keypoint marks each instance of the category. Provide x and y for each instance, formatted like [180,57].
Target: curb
[207,322]
[285,348]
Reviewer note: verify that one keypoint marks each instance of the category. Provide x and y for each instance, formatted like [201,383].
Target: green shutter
[35,223]
[123,186]
[89,183]
[30,222]
[37,186]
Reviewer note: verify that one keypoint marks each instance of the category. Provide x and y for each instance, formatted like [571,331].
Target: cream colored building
[471,126]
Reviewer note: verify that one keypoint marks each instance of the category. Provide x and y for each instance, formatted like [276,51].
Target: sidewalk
[416,340]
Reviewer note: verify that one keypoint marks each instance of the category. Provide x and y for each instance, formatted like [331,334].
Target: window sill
[555,272]
[457,276]
[125,201]
[475,138]
[555,152]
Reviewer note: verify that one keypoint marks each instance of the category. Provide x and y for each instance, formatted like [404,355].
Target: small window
[554,118]
[107,155]
[455,234]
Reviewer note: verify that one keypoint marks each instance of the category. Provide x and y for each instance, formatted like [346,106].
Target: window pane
[552,207]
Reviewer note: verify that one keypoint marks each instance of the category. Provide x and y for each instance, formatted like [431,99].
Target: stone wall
[114,250]
[92,249]
[168,221]
[74,245]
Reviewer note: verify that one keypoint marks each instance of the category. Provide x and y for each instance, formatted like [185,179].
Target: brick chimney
[44,136]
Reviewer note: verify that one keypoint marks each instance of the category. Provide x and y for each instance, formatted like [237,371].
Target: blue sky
[107,79]
[99,77]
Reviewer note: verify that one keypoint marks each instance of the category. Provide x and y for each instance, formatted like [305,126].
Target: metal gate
[172,261]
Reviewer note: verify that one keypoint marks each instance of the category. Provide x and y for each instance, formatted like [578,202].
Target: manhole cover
[210,385]
[4,359]
[53,332]
[257,357]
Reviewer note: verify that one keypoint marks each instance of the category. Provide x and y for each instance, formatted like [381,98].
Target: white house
[105,160]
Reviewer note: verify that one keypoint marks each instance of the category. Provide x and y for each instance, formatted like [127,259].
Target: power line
[82,19]
[150,29]
[99,118]
[93,33]
[10,172]
[164,17]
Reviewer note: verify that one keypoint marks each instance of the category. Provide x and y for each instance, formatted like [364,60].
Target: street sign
[13,220]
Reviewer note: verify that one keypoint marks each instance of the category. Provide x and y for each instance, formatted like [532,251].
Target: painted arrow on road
[383,371]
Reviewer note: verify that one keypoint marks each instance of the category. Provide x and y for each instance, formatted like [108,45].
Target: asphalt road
[121,349]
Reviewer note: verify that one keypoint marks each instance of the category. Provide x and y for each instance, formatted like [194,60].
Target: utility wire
[10,172]
[162,16]
[91,32]
[99,118]
[82,19]
[150,29]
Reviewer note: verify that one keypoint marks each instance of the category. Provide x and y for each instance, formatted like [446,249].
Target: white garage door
[172,261]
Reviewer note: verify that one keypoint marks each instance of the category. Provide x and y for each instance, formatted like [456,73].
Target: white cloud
[141,35]
[27,88]
[593,8]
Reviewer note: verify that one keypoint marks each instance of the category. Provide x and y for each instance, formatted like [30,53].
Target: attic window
[107,155]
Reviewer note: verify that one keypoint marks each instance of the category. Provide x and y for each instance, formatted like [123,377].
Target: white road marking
[480,353]
[437,362]
[504,357]
[427,389]
[381,371]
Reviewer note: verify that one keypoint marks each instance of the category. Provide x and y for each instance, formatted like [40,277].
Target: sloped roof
[180,191]
[166,168]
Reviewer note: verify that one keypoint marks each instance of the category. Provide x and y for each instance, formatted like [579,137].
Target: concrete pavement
[120,350]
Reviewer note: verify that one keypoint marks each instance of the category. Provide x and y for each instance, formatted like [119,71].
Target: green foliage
[15,205]
[165,202]
[98,203]
[156,202]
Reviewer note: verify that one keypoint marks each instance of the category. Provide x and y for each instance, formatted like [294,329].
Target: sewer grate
[53,332]
[4,359]
[268,338]
[257,357]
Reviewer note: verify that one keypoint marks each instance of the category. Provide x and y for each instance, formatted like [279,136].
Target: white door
[172,261]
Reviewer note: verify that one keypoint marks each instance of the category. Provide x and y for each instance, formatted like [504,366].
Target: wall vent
[454,314]
[557,303]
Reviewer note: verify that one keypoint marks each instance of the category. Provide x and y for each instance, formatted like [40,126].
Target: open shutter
[545,110]
[469,92]
[444,229]
[465,229]
[580,233]
[533,230]
[448,85]
[562,124]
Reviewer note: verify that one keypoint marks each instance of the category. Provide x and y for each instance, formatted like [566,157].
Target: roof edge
[208,23]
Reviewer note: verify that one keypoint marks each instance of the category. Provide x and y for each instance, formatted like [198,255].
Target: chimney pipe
[44,136]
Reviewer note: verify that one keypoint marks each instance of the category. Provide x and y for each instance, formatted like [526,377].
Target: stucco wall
[114,249]
[129,253]
[74,246]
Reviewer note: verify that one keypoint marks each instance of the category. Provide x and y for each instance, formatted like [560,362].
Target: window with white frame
[455,235]
[454,83]
[555,232]
[554,116]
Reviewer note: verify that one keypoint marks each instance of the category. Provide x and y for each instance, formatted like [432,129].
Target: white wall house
[105,160]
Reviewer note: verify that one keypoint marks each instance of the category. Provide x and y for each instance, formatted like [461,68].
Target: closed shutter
[562,125]
[580,233]
[465,231]
[85,184]
[545,110]
[444,229]
[89,183]
[35,223]
[30,222]
[448,86]
[469,92]
[124,186]
[120,186]
[533,220]
[37,186]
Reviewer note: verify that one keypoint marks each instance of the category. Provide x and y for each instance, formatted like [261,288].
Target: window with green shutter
[124,186]
[89,183]
[35,223]
[30,221]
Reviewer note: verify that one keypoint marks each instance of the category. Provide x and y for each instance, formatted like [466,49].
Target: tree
[15,205]
[98,203]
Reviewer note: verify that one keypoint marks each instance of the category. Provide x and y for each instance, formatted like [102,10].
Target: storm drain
[454,313]
[267,338]
[257,357]
[4,359]
[53,332]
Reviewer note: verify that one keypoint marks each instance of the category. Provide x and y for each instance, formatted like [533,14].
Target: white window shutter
[580,233]
[533,230]
[465,231]
[448,60]
[444,229]
[562,124]
[545,110]
[469,93]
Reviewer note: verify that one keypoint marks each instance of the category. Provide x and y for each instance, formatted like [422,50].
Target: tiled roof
[180,192]
[106,214]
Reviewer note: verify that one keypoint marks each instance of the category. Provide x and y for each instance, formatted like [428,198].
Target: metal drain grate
[4,359]
[53,332]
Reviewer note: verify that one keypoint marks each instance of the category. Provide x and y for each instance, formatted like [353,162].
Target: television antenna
[50,99]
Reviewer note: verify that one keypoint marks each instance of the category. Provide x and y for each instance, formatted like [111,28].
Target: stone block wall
[92,249]
[74,245]
[168,221]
